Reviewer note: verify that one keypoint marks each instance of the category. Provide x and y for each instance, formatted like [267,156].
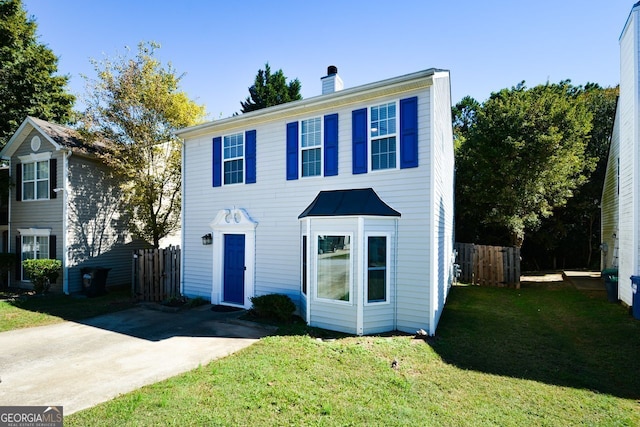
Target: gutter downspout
[9,238]
[395,275]
[65,220]
[308,272]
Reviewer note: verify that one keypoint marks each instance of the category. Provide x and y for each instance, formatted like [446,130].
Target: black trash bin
[94,280]
[610,276]
[635,295]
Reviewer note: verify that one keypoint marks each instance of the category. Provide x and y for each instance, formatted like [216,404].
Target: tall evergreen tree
[28,81]
[270,89]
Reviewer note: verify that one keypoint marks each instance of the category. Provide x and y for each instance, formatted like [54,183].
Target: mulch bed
[225,309]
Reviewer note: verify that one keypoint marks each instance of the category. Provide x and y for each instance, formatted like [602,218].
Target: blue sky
[486,45]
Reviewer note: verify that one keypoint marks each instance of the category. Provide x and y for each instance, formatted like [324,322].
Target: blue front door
[233,287]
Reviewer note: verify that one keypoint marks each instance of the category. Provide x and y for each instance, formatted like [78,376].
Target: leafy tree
[270,89]
[136,104]
[28,81]
[523,157]
[463,116]
[571,237]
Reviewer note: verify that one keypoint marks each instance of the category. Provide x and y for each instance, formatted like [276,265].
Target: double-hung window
[233,155]
[383,136]
[311,147]
[34,247]
[35,180]
[377,269]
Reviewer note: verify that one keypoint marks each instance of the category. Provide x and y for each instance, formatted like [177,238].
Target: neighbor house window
[377,268]
[233,155]
[34,247]
[334,267]
[311,147]
[35,180]
[383,136]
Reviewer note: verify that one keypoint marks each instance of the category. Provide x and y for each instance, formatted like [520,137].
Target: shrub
[42,272]
[275,306]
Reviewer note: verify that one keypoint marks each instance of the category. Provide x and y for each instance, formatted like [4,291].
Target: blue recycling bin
[635,294]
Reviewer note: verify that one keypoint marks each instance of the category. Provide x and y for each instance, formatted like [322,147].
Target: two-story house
[343,201]
[64,204]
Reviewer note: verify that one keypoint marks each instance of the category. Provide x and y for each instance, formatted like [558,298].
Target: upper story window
[35,180]
[311,147]
[383,136]
[233,150]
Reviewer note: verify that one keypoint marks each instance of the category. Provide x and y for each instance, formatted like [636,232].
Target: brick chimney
[332,81]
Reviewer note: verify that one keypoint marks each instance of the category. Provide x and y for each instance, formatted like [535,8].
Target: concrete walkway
[78,365]
[584,280]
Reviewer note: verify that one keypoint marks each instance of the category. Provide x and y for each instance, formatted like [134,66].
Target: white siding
[275,204]
[97,227]
[610,203]
[36,213]
[443,197]
[629,186]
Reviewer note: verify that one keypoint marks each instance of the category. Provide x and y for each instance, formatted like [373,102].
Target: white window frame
[226,159]
[352,261]
[33,233]
[304,265]
[387,299]
[34,159]
[371,138]
[315,147]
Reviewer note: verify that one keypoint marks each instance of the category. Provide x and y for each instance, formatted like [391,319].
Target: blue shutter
[18,182]
[250,156]
[409,133]
[331,145]
[292,151]
[217,162]
[359,141]
[53,178]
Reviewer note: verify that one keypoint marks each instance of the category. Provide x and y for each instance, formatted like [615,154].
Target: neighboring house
[64,204]
[609,219]
[621,192]
[343,201]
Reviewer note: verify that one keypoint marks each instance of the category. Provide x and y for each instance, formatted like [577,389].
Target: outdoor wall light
[207,239]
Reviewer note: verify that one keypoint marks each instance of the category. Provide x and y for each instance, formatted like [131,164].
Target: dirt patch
[543,280]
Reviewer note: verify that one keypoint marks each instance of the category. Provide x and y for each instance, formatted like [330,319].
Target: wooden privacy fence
[488,265]
[156,274]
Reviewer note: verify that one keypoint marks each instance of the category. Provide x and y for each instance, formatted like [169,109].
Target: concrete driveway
[78,365]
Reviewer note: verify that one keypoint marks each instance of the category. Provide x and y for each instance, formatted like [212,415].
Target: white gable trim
[34,231]
[20,136]
[35,157]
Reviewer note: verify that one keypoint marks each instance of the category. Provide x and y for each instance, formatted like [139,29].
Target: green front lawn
[502,357]
[22,311]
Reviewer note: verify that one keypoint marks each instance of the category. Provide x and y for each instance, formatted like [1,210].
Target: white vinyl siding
[629,184]
[275,203]
[611,188]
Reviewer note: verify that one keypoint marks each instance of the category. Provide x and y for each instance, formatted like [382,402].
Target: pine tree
[28,81]
[270,89]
